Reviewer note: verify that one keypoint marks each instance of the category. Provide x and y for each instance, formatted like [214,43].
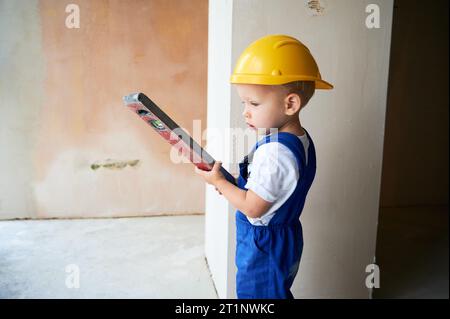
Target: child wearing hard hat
[275,77]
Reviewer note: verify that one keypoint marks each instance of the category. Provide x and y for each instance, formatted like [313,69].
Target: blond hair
[304,89]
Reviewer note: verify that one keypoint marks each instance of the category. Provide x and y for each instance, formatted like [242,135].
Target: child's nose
[246,113]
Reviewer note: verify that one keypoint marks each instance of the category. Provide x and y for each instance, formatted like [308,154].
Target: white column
[219,220]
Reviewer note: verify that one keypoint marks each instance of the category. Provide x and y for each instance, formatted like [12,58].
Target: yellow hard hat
[277,59]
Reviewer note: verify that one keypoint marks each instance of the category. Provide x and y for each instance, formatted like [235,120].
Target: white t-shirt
[273,176]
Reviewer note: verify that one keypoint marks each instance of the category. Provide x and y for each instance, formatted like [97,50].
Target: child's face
[263,106]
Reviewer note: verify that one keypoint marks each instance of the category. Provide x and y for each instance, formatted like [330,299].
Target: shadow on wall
[412,243]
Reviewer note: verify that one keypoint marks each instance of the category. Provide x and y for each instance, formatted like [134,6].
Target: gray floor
[162,257]
[413,252]
[153,257]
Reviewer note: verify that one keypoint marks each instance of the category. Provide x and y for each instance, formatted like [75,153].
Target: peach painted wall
[71,113]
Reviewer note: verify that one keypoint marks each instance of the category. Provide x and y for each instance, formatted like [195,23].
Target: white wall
[346,124]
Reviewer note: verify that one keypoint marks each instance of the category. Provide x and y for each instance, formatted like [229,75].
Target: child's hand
[212,176]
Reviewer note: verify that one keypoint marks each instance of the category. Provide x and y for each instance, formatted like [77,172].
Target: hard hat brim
[277,80]
[323,85]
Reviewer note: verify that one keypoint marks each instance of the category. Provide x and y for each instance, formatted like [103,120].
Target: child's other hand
[212,176]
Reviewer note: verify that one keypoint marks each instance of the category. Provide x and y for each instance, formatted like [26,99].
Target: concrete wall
[347,125]
[415,162]
[61,106]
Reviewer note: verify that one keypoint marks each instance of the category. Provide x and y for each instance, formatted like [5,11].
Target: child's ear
[293,104]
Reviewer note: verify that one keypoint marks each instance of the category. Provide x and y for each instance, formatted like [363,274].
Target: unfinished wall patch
[113,164]
[316,7]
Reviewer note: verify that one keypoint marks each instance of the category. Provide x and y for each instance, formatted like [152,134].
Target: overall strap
[290,140]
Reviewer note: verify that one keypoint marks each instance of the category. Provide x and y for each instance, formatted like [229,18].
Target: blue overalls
[268,257]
